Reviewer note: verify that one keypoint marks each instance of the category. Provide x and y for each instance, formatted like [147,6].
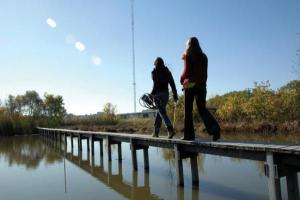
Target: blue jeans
[162,112]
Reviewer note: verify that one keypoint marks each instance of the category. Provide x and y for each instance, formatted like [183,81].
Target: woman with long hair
[162,77]
[194,79]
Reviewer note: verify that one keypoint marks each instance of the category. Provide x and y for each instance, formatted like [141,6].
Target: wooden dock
[280,160]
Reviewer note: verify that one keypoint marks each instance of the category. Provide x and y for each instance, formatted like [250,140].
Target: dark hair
[193,47]
[159,62]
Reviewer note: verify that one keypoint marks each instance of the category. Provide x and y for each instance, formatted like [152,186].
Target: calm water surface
[34,168]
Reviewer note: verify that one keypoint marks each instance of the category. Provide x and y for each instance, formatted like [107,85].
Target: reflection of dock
[281,160]
[114,181]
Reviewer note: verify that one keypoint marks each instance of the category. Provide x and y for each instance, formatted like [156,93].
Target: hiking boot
[216,136]
[187,138]
[155,134]
[171,133]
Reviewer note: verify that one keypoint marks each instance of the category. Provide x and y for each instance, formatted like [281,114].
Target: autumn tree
[54,107]
[109,112]
[32,103]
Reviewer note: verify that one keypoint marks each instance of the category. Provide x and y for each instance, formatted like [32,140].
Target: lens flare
[51,23]
[96,60]
[79,46]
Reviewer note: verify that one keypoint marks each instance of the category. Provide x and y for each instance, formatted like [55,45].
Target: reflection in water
[169,155]
[123,181]
[116,182]
[26,151]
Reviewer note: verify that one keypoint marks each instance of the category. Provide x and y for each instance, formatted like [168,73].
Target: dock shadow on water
[34,167]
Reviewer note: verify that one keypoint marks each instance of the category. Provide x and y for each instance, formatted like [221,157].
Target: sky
[82,49]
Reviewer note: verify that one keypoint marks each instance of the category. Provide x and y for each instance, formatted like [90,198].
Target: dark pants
[209,121]
[161,103]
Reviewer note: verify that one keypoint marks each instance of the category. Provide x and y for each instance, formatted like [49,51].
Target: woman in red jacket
[194,79]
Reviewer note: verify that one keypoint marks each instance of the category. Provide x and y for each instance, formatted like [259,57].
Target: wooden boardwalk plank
[199,143]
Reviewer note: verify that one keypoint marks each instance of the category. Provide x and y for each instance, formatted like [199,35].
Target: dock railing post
[120,151]
[178,165]
[146,159]
[133,154]
[88,144]
[59,138]
[273,177]
[292,184]
[79,142]
[72,144]
[194,169]
[108,148]
[65,142]
[92,145]
[101,147]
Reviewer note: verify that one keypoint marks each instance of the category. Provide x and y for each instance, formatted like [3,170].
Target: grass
[16,125]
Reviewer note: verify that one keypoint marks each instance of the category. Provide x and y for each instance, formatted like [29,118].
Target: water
[34,168]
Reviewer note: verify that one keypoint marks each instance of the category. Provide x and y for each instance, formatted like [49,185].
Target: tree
[54,107]
[33,104]
[19,103]
[288,98]
[11,104]
[109,112]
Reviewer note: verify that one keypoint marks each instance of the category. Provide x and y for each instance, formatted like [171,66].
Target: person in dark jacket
[194,79]
[162,77]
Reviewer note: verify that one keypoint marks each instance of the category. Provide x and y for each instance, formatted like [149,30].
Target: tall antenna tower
[133,53]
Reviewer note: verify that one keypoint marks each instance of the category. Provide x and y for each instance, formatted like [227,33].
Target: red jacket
[195,70]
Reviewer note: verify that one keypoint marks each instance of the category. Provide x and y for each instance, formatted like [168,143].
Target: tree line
[32,105]
[22,113]
[260,103]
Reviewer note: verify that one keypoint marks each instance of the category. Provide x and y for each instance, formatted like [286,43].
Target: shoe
[155,134]
[171,133]
[216,136]
[187,138]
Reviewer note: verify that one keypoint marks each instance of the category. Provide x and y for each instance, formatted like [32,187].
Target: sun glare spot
[96,60]
[79,46]
[51,23]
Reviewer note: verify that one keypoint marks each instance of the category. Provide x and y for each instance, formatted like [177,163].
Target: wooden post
[292,185]
[133,155]
[120,170]
[65,142]
[178,165]
[195,194]
[109,176]
[273,178]
[92,145]
[72,144]
[146,180]
[101,162]
[79,142]
[194,169]
[59,138]
[101,147]
[120,151]
[146,159]
[180,193]
[92,164]
[79,157]
[134,179]
[108,148]
[88,144]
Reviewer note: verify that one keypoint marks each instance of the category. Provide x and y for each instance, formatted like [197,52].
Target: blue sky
[245,41]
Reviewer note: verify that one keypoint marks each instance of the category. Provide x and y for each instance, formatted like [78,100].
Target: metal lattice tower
[133,53]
